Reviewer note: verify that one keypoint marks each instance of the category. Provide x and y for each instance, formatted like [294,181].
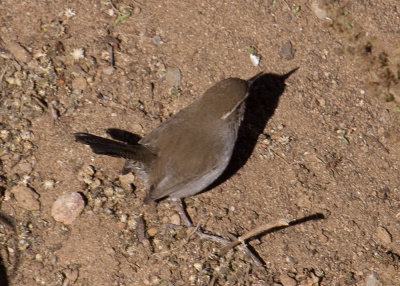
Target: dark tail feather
[123,136]
[113,148]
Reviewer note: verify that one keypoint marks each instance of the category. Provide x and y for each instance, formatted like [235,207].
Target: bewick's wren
[189,151]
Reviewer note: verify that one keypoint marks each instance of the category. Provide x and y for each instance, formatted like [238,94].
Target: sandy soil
[320,148]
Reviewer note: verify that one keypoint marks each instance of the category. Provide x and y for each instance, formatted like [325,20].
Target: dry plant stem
[253,232]
[179,206]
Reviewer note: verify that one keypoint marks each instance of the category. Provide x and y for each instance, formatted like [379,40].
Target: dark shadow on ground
[260,106]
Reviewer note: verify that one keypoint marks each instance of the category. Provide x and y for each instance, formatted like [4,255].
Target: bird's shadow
[260,106]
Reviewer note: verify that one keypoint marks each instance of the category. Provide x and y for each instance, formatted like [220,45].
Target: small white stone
[69,13]
[198,266]
[255,59]
[48,184]
[192,278]
[372,280]
[67,207]
[78,53]
[319,12]
[124,218]
[175,219]
[110,12]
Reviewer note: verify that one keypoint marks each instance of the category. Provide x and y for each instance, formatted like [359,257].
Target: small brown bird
[189,151]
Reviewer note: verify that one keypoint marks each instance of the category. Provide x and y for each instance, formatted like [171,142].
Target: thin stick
[254,232]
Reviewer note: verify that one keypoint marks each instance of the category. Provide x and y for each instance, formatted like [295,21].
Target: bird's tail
[113,148]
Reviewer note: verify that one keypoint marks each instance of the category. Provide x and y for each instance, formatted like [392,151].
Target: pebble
[175,219]
[79,83]
[109,191]
[255,59]
[26,197]
[383,235]
[318,11]
[198,266]
[287,51]
[49,184]
[152,231]
[137,10]
[372,280]
[127,181]
[287,281]
[157,40]
[67,207]
[173,76]
[19,53]
[24,167]
[108,70]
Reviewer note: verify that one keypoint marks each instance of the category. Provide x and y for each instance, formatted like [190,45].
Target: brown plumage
[190,150]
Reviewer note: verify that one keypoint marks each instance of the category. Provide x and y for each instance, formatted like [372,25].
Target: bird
[189,151]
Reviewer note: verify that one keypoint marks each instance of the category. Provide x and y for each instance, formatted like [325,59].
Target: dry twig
[252,233]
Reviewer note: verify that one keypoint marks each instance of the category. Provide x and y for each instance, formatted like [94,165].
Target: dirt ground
[322,151]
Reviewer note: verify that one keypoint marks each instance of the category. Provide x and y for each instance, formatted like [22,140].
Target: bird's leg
[179,205]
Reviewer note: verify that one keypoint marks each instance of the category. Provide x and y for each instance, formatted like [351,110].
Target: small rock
[136,10]
[127,181]
[255,59]
[287,281]
[79,83]
[152,231]
[287,51]
[157,40]
[67,207]
[109,192]
[108,70]
[383,235]
[26,197]
[198,266]
[173,76]
[78,54]
[175,219]
[49,184]
[372,280]
[24,167]
[318,11]
[19,53]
